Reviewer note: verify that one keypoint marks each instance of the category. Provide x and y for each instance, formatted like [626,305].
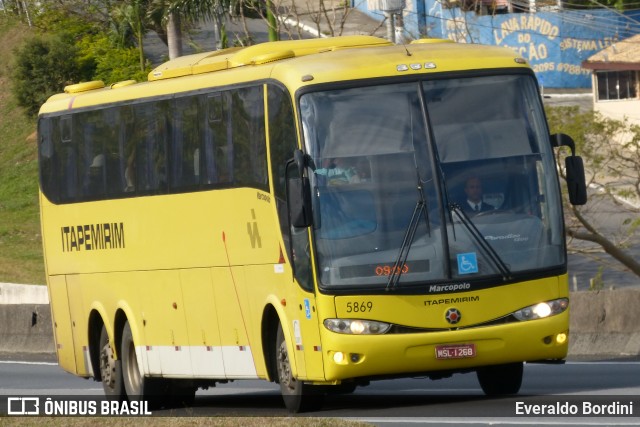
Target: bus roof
[259,54]
[295,63]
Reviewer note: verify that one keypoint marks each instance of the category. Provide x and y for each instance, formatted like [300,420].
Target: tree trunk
[140,45]
[174,36]
[592,235]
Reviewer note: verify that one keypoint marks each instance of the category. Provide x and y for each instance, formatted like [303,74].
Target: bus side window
[92,164]
[67,166]
[114,153]
[150,139]
[216,161]
[186,136]
[47,156]
[249,145]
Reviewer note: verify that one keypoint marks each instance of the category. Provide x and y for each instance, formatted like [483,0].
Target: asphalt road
[457,400]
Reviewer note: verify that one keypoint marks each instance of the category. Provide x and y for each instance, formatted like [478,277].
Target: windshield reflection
[377,167]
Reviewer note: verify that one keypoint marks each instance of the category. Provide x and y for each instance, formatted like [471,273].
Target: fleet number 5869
[359,307]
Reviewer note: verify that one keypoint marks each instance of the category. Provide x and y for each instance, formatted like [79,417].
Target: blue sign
[467,263]
[307,309]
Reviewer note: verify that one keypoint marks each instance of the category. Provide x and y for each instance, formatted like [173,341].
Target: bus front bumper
[365,356]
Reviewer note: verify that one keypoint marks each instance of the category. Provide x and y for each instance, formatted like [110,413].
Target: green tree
[43,67]
[113,63]
[132,16]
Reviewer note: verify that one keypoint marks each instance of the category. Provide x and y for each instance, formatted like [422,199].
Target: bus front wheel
[500,379]
[297,396]
[110,369]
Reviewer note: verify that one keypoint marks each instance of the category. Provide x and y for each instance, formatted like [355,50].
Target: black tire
[297,396]
[501,379]
[110,370]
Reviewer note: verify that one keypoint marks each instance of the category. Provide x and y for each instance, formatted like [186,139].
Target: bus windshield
[419,183]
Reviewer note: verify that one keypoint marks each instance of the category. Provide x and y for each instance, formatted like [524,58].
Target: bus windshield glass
[426,182]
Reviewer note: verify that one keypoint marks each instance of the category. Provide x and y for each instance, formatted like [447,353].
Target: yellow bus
[297,211]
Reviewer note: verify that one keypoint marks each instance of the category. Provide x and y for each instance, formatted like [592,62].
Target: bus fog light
[339,357]
[561,338]
[355,358]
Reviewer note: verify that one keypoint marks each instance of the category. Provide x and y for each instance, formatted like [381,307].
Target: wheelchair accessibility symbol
[467,263]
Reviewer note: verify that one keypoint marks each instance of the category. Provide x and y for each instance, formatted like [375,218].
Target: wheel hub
[107,366]
[284,371]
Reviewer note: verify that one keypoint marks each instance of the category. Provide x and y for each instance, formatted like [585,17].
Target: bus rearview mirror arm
[563,140]
[574,167]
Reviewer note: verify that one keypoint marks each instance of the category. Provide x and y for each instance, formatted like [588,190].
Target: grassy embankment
[20,239]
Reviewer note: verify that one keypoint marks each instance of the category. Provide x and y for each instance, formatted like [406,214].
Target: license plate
[457,351]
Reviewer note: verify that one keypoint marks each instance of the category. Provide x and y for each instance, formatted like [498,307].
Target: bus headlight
[356,326]
[542,310]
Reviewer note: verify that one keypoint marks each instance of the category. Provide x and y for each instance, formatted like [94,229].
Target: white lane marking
[17,362]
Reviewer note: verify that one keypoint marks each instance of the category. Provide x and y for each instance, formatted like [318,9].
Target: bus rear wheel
[137,386]
[297,396]
[110,369]
[135,383]
[158,392]
[501,379]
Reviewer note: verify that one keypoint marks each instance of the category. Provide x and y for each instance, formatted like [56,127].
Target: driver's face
[473,190]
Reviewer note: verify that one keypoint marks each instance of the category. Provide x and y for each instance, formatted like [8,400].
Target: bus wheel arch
[270,323]
[94,331]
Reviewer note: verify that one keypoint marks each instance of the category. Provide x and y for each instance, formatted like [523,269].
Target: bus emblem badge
[453,316]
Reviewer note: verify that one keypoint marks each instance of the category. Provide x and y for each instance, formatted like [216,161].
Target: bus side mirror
[574,167]
[299,190]
[576,184]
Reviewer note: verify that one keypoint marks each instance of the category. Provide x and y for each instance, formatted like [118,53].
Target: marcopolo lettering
[92,237]
[450,288]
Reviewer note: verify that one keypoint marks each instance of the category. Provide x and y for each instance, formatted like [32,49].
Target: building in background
[616,79]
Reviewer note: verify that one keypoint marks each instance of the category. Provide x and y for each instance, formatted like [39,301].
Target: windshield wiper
[479,238]
[407,241]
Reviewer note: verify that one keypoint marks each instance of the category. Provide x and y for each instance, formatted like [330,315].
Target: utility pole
[271,22]
[391,8]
